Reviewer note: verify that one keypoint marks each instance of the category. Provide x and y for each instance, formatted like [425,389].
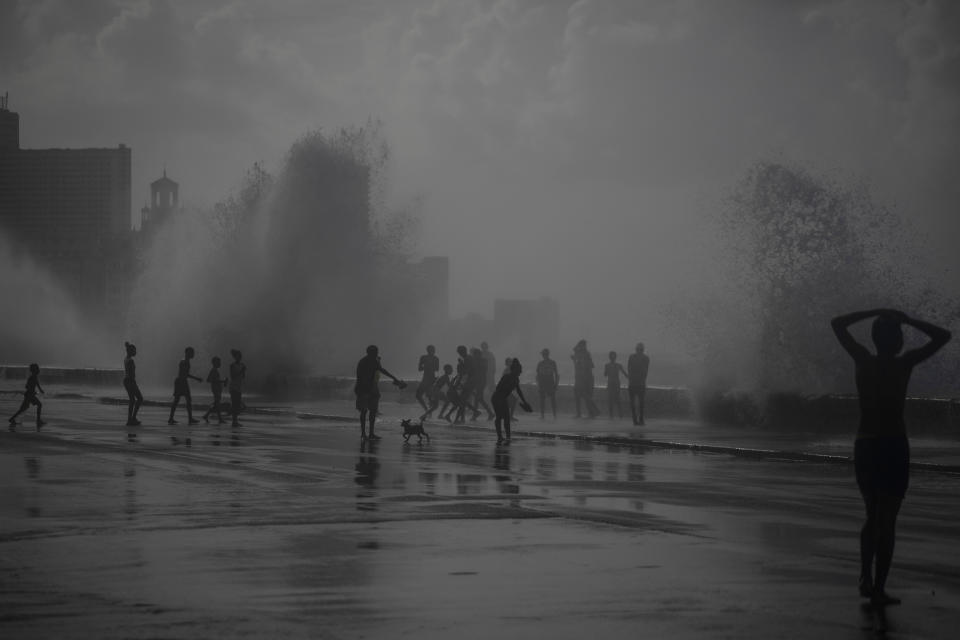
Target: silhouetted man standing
[881,450]
[638,364]
[367,389]
[583,378]
[548,378]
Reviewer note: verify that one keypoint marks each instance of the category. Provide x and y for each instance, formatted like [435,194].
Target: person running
[441,388]
[638,364]
[181,387]
[429,364]
[367,389]
[612,371]
[509,383]
[238,373]
[583,379]
[548,379]
[30,397]
[881,449]
[134,397]
[216,388]
[480,367]
[453,397]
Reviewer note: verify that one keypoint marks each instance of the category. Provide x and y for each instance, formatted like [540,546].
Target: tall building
[70,210]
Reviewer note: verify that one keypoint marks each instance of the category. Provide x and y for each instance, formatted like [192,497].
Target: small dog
[411,429]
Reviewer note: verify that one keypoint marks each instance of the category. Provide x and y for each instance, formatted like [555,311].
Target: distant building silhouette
[70,210]
[164,199]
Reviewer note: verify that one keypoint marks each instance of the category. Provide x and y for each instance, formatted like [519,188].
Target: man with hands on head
[881,451]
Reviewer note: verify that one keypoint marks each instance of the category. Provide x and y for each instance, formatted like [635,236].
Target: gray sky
[571,149]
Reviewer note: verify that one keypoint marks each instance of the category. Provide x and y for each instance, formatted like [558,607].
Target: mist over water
[42,322]
[294,270]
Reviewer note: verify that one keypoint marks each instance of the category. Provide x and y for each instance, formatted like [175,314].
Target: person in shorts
[367,389]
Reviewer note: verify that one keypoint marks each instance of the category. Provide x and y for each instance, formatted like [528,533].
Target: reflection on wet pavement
[287,527]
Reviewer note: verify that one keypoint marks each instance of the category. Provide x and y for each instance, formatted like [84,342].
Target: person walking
[216,388]
[30,397]
[181,387]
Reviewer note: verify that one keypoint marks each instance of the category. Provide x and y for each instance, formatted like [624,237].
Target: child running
[30,397]
[216,388]
[181,387]
[440,388]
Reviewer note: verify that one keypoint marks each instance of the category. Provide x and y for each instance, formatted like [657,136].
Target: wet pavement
[289,527]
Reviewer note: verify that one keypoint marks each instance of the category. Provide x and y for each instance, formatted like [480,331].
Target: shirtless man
[367,389]
[881,450]
[429,364]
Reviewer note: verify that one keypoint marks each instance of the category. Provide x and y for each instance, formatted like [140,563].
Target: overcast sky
[571,149]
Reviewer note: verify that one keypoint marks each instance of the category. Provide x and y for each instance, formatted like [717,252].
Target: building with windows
[69,209]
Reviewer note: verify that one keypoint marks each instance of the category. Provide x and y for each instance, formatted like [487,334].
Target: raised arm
[841,329]
[938,337]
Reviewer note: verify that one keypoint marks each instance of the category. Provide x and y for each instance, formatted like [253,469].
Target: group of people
[459,389]
[181,387]
[458,392]
[881,450]
[638,365]
[464,388]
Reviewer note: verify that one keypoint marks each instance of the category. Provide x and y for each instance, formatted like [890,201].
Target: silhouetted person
[238,374]
[612,371]
[583,379]
[881,450]
[367,389]
[134,397]
[548,378]
[480,368]
[181,387]
[509,383]
[429,364]
[216,388]
[466,377]
[30,397]
[453,395]
[441,387]
[638,364]
[490,361]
